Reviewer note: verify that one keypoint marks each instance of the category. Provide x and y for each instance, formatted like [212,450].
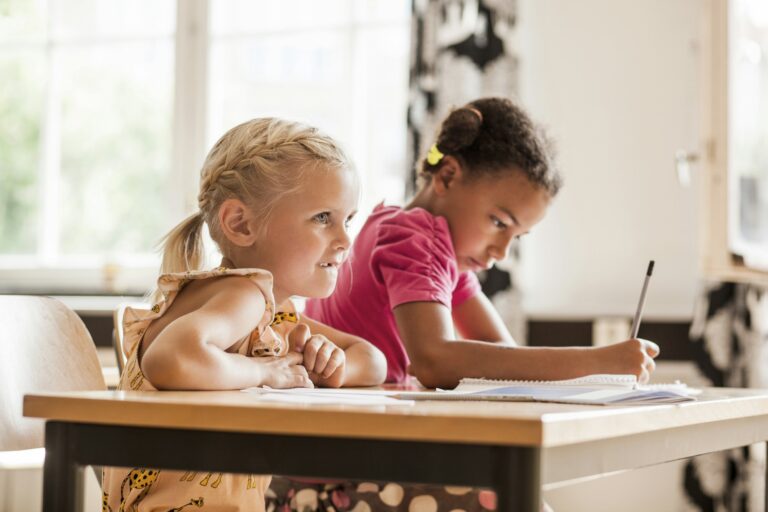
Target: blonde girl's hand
[285,371]
[633,356]
[324,361]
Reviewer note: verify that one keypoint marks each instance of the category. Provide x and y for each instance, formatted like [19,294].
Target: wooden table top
[504,423]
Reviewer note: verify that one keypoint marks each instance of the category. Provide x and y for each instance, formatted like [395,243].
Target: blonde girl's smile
[307,235]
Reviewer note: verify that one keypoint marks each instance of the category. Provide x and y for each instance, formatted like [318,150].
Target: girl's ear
[237,223]
[447,176]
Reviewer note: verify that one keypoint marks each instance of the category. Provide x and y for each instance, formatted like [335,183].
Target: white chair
[44,346]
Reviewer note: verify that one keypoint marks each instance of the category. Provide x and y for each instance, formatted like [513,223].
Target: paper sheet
[349,396]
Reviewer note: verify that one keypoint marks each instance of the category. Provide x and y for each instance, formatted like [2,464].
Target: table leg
[62,477]
[517,480]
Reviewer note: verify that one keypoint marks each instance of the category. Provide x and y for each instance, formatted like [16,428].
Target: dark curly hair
[492,136]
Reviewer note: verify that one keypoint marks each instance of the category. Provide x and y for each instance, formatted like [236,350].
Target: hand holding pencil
[633,356]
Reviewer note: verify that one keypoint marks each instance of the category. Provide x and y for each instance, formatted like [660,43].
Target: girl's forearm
[447,362]
[198,365]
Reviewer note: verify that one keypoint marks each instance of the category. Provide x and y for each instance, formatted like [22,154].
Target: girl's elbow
[428,372]
[378,367]
[429,379]
[158,373]
[168,371]
[161,374]
[373,368]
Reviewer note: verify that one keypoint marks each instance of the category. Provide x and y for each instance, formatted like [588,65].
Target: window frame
[718,261]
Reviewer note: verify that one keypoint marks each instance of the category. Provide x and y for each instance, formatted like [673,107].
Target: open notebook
[590,390]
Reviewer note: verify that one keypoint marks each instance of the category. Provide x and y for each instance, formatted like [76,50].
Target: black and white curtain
[729,335]
[460,51]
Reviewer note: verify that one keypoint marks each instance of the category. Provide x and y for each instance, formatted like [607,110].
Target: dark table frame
[512,471]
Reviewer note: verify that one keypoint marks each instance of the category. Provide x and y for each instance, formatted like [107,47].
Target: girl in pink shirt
[409,286]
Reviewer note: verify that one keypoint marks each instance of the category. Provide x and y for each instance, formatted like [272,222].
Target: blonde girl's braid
[257,162]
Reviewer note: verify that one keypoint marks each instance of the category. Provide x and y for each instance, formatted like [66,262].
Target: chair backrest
[44,346]
[117,336]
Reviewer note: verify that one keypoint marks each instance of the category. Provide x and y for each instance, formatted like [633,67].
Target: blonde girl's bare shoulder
[234,298]
[236,293]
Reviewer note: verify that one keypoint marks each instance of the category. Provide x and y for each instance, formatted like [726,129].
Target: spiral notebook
[589,390]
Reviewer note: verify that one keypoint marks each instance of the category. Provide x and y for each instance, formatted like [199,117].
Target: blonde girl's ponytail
[182,249]
[183,246]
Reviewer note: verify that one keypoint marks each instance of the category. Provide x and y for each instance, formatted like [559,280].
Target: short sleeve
[467,287]
[413,258]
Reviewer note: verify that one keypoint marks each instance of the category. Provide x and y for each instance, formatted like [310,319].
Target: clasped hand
[324,361]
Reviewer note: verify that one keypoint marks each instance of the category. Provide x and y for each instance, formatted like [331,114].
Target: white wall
[616,83]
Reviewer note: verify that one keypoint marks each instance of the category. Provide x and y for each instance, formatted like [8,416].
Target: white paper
[348,396]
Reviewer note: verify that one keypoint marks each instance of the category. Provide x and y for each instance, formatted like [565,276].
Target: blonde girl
[277,198]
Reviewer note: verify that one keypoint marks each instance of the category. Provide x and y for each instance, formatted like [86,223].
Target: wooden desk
[511,447]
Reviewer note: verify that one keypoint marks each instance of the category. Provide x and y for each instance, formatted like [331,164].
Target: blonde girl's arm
[438,359]
[365,364]
[477,319]
[190,352]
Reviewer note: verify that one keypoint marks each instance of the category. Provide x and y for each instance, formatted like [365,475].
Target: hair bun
[460,129]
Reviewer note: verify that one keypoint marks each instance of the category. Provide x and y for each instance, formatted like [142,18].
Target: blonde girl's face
[306,238]
[487,214]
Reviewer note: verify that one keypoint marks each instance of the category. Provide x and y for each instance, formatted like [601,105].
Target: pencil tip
[650,267]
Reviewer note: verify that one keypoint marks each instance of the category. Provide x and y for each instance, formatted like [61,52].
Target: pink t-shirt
[399,256]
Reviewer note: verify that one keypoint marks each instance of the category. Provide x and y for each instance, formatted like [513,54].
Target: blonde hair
[258,162]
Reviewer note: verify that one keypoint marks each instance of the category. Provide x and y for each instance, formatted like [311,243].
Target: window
[748,131]
[111,107]
[733,232]
[341,65]
[86,122]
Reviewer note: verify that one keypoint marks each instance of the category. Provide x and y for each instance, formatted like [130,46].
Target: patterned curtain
[728,335]
[461,51]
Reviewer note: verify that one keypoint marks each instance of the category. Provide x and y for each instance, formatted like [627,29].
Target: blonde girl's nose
[343,241]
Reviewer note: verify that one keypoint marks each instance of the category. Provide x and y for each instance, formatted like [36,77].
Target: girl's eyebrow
[336,211]
[509,213]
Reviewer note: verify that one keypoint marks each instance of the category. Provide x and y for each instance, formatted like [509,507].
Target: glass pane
[233,17]
[22,20]
[305,77]
[116,116]
[748,128]
[112,18]
[21,109]
[350,81]
[382,10]
[382,64]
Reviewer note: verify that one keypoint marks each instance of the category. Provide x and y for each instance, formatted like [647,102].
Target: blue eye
[322,218]
[497,222]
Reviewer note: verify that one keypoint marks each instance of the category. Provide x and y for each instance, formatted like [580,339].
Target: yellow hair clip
[434,156]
